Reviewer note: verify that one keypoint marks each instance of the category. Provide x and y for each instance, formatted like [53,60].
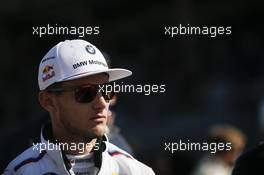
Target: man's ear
[47,101]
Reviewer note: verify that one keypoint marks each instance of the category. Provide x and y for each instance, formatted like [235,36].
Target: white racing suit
[109,159]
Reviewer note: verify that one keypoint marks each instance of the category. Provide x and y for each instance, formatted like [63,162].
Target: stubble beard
[82,134]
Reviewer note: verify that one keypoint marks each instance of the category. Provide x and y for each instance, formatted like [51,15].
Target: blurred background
[208,80]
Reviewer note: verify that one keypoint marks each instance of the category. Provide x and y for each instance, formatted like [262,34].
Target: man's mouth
[98,118]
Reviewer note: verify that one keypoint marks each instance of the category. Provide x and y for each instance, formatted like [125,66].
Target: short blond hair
[228,133]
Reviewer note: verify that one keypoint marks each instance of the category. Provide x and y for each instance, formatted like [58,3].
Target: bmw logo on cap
[90,49]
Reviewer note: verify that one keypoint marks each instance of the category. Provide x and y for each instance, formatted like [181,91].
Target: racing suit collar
[57,155]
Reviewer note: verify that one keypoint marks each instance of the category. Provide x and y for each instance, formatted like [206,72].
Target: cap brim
[114,74]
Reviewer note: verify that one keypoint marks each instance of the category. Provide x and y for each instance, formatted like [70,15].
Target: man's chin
[98,131]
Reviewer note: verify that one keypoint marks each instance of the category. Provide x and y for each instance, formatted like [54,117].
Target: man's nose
[99,102]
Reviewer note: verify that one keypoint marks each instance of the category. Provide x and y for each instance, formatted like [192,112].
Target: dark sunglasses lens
[85,94]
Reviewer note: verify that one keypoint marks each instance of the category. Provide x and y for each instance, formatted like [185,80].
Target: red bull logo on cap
[47,73]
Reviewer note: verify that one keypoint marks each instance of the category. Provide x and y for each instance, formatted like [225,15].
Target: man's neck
[75,145]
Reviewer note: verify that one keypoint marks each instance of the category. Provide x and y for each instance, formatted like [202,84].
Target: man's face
[85,120]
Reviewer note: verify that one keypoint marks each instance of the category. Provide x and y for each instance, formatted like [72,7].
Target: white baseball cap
[73,59]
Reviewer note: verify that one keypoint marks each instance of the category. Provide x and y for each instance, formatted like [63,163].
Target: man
[71,77]
[222,162]
[114,132]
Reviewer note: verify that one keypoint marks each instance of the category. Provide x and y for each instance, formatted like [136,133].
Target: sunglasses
[85,93]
